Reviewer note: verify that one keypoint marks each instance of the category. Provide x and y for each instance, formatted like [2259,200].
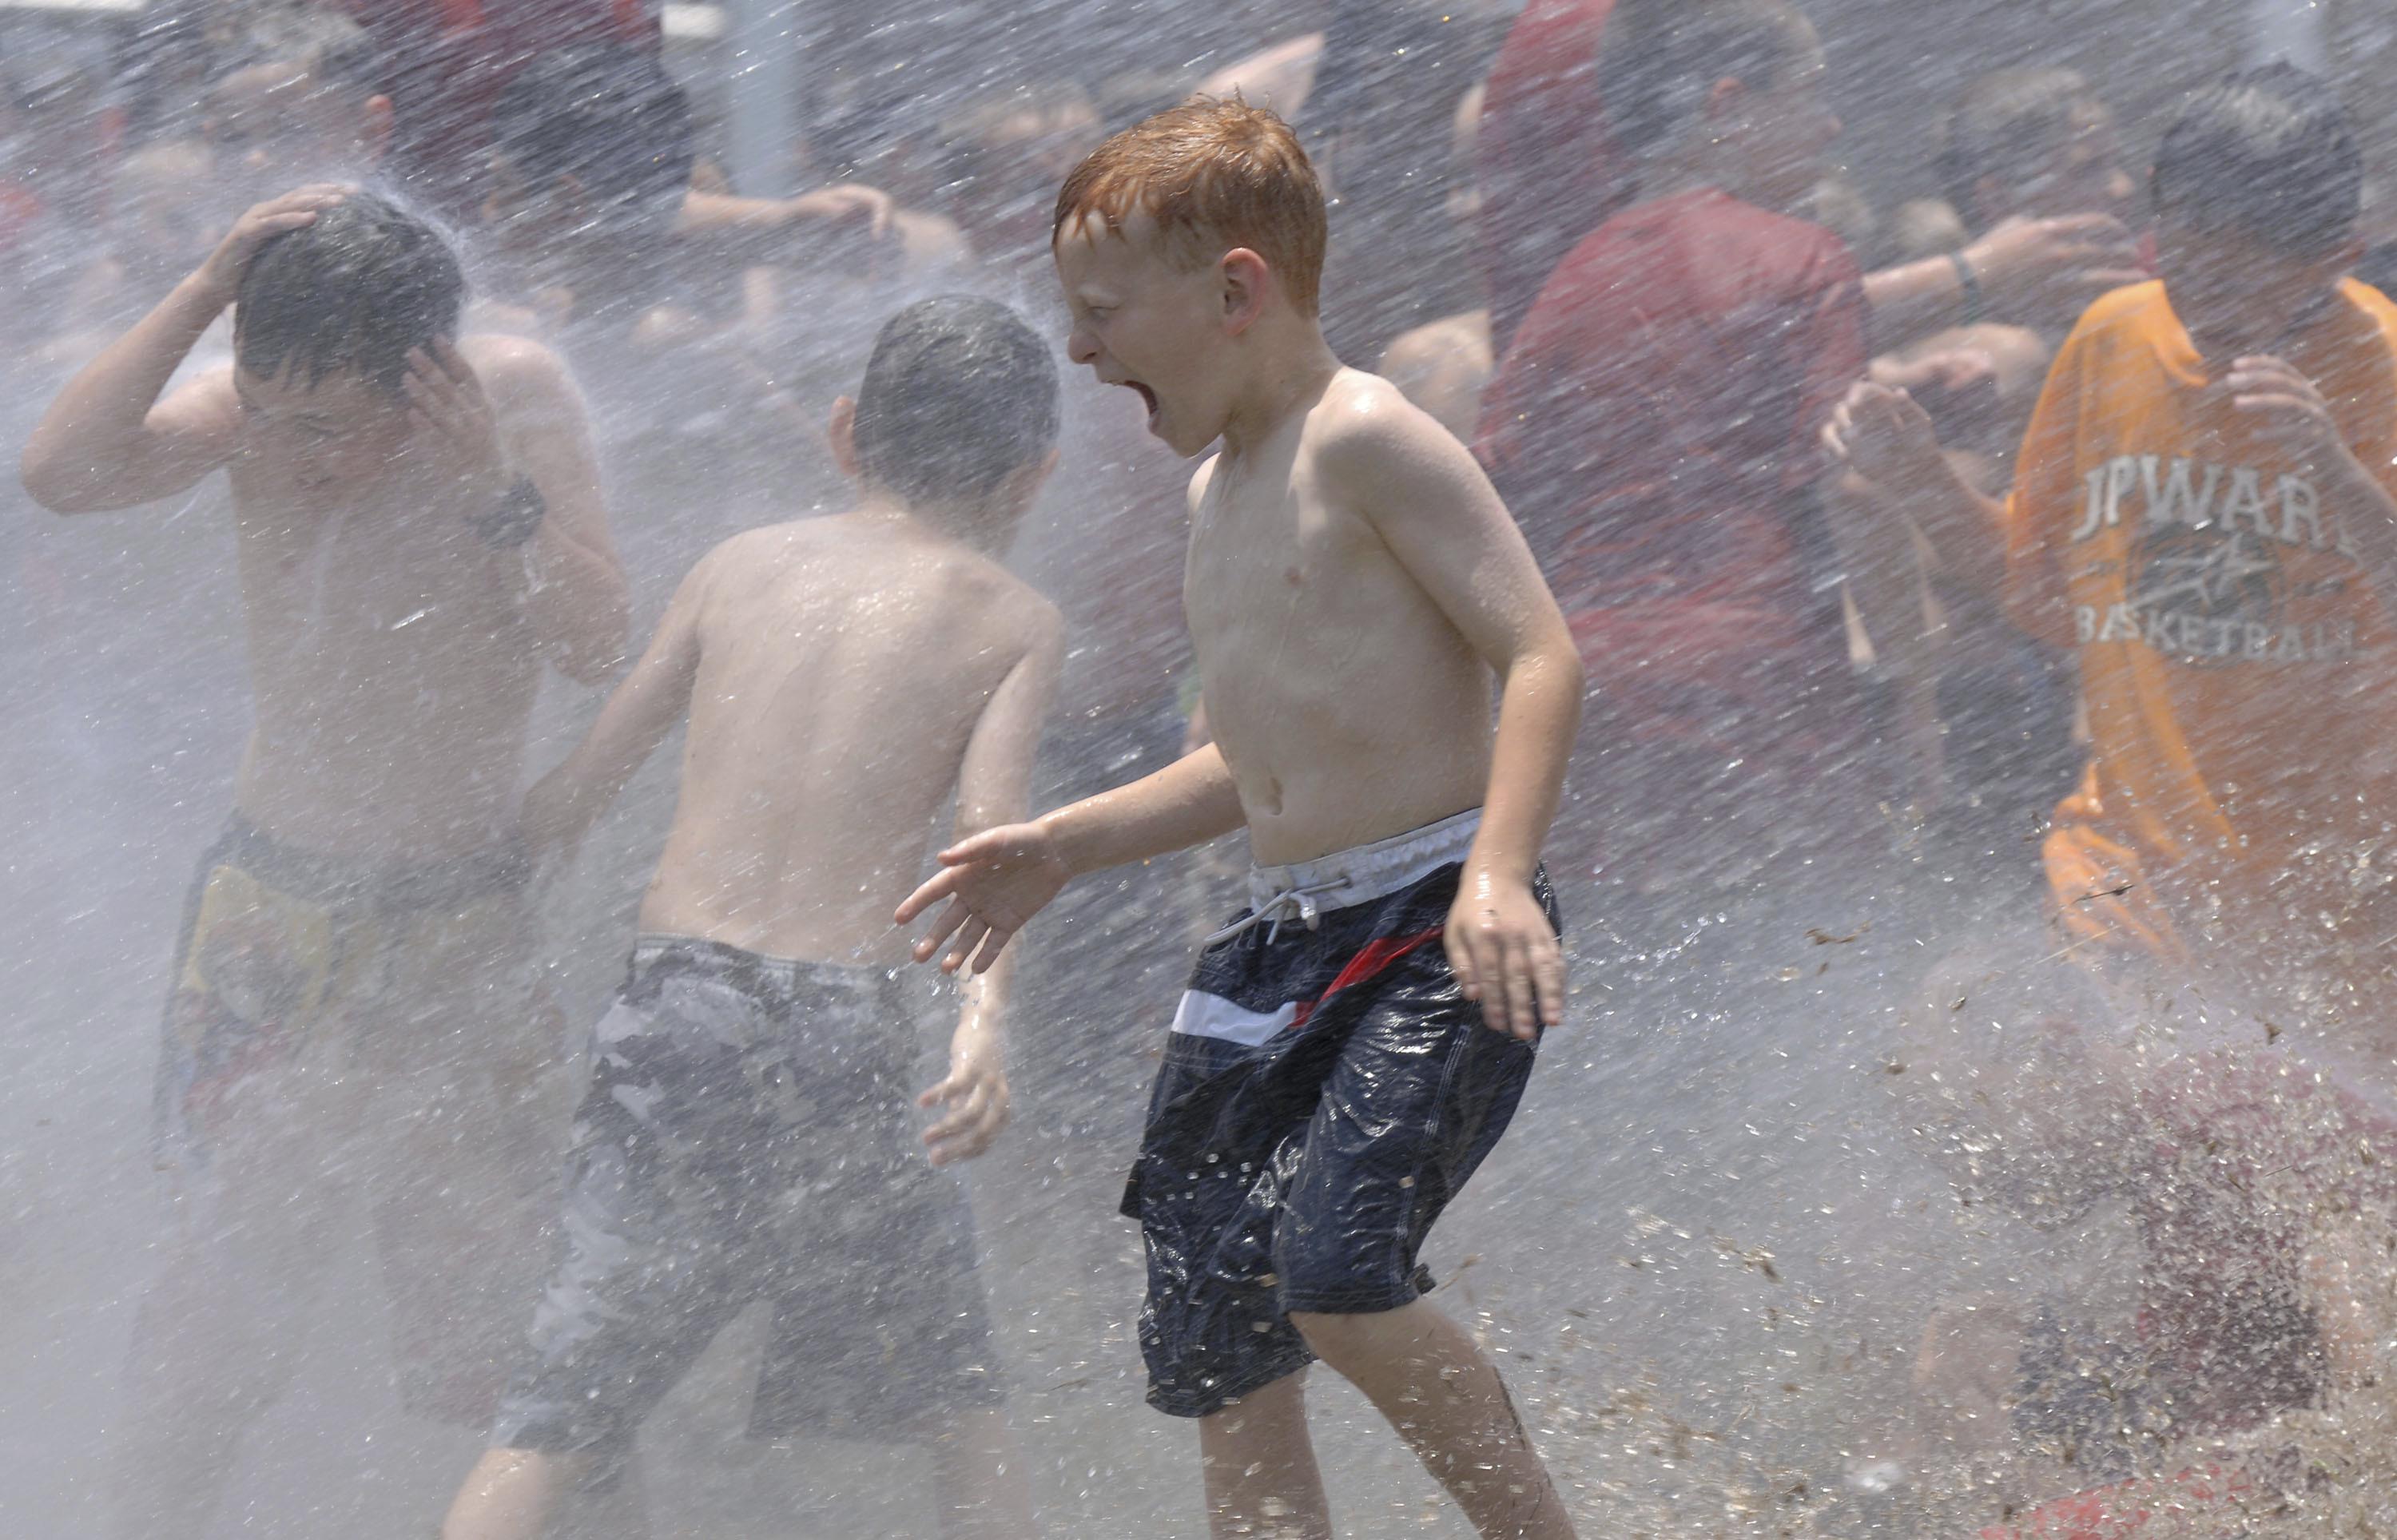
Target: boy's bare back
[850,673]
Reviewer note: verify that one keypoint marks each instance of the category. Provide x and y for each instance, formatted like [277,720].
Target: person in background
[749,1131]
[1380,123]
[1653,426]
[1983,712]
[1552,173]
[2204,511]
[356,1016]
[1444,365]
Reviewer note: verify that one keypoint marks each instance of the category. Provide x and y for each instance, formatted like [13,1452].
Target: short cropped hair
[959,394]
[607,116]
[2270,152]
[2006,125]
[1658,58]
[333,50]
[352,293]
[1213,174]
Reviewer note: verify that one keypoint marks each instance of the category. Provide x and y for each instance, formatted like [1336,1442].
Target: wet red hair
[1214,174]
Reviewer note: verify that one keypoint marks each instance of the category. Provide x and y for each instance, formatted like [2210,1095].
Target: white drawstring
[1297,902]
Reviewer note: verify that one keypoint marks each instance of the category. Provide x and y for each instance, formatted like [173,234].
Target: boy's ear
[1246,280]
[841,433]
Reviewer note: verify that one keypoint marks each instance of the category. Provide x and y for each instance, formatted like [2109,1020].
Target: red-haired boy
[1354,1042]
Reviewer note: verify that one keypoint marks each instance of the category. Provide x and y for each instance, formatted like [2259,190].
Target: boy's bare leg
[215,1345]
[978,1478]
[524,1493]
[1446,1399]
[1262,1484]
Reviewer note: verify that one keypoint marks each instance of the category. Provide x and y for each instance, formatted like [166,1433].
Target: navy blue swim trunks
[750,1134]
[1326,1090]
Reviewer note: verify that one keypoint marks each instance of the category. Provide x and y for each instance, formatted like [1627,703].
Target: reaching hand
[852,203]
[863,221]
[447,400]
[222,270]
[1881,435]
[2037,267]
[994,883]
[975,1094]
[2290,407]
[1506,955]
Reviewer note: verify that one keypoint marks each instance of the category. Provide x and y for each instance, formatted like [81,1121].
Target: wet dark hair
[959,394]
[351,293]
[609,117]
[2270,152]
[2005,124]
[334,49]
[1658,58]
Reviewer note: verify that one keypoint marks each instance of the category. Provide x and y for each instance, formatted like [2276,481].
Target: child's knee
[1338,1337]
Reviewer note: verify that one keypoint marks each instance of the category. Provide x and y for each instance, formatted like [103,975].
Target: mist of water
[1841,1204]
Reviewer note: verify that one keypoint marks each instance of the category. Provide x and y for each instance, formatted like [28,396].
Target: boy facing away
[1353,1044]
[354,1016]
[747,1133]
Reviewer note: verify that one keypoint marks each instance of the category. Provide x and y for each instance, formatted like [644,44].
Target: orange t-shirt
[2236,655]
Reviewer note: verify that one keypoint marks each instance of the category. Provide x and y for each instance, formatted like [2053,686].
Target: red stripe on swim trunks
[1375,960]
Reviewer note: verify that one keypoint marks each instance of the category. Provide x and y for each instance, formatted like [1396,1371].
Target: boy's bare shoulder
[516,369]
[1365,434]
[1025,611]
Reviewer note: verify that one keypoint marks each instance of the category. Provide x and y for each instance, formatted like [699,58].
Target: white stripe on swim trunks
[1210,1016]
[1311,889]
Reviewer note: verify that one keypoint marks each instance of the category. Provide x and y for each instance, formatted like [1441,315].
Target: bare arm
[994,789]
[1427,499]
[848,224]
[562,805]
[1884,440]
[108,442]
[578,601]
[998,880]
[2024,269]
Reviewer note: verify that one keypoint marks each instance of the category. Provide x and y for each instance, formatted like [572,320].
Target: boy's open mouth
[1148,396]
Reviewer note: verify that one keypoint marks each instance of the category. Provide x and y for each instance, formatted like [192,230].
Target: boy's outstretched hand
[994,882]
[1506,954]
[975,1094]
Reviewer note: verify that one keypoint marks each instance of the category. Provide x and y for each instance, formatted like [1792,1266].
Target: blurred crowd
[1711,378]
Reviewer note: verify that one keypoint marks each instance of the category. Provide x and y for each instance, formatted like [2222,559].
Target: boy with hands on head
[354,1013]
[1354,1042]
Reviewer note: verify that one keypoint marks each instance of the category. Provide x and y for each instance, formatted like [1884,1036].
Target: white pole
[2295,30]
[764,121]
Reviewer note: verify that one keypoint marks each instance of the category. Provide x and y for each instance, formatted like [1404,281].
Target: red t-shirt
[1653,430]
[1548,175]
